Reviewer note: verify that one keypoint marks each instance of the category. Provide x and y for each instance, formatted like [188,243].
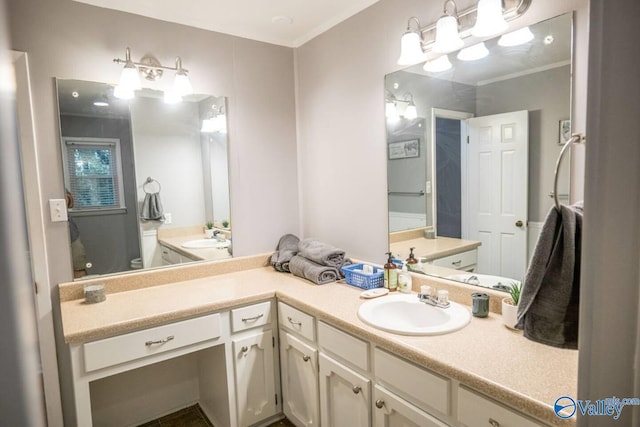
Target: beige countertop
[484,355]
[430,249]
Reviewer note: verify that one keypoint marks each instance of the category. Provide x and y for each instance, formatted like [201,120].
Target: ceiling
[288,23]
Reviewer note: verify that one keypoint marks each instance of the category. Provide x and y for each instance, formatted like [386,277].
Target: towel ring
[150,181]
[576,138]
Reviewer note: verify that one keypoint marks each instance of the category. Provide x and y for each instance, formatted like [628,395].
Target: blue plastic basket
[361,280]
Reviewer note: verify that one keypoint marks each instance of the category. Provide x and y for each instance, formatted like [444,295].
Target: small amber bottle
[390,274]
[411,261]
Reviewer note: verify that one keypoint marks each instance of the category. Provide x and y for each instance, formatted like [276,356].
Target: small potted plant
[510,305]
[225,224]
[208,231]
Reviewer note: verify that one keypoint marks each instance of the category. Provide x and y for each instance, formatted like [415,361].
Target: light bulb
[447,36]
[390,109]
[472,53]
[490,20]
[208,126]
[130,78]
[181,84]
[172,97]
[121,92]
[516,38]
[410,112]
[438,65]
[410,49]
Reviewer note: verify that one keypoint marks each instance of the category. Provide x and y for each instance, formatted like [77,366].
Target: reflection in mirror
[144,179]
[472,198]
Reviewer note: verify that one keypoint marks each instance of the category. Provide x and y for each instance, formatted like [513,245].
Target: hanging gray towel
[307,269]
[287,249]
[549,304]
[152,208]
[321,253]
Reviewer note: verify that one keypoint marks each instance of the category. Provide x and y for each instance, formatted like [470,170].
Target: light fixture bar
[512,9]
[154,67]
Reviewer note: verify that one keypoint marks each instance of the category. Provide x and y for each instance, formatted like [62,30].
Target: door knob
[519,223]
[379,403]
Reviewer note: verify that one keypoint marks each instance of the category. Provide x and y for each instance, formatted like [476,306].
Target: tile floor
[194,417]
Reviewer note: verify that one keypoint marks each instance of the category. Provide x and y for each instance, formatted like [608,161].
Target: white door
[299,373]
[255,378]
[497,180]
[345,396]
[390,410]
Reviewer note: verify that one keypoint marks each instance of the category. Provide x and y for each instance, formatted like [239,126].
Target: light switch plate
[168,219]
[58,208]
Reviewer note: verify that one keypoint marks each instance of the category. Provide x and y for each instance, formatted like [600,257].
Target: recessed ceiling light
[282,19]
[101,102]
[75,94]
[548,40]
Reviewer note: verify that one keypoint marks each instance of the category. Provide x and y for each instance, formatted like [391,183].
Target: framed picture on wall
[564,131]
[404,149]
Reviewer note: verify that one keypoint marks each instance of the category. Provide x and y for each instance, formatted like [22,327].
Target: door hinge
[35,285]
[273,342]
[276,399]
[467,139]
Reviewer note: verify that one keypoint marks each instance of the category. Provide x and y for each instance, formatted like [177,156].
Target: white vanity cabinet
[390,410]
[170,256]
[345,384]
[298,366]
[254,363]
[475,410]
[465,261]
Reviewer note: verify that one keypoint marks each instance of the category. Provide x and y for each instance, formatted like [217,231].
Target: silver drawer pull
[293,322]
[251,319]
[379,403]
[306,358]
[244,349]
[167,339]
[456,263]
[494,423]
[356,389]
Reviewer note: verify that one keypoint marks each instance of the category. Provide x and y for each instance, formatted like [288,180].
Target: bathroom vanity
[229,333]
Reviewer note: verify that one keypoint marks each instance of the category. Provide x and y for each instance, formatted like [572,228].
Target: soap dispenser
[390,274]
[411,261]
[404,280]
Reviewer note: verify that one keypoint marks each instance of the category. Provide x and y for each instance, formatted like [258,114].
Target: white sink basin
[205,244]
[405,315]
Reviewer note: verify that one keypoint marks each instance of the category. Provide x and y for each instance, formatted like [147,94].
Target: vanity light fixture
[473,53]
[438,65]
[486,18]
[391,107]
[516,38]
[411,112]
[411,45]
[490,20]
[447,36]
[152,70]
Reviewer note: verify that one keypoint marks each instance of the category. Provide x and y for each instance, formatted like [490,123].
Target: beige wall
[70,40]
[341,129]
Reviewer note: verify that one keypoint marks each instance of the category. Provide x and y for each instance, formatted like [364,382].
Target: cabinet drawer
[476,410]
[457,261]
[351,349]
[296,321]
[169,255]
[417,385]
[135,345]
[251,316]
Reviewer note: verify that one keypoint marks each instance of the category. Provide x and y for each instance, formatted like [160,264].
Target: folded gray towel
[321,253]
[287,249]
[549,304]
[152,208]
[307,269]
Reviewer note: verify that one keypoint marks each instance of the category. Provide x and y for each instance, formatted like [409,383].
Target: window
[93,173]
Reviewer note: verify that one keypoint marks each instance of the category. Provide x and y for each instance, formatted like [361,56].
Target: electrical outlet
[168,219]
[58,209]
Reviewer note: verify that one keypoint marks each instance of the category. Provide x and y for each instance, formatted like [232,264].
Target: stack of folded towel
[311,259]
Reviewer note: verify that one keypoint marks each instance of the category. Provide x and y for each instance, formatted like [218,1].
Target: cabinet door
[254,378]
[345,396]
[390,410]
[299,373]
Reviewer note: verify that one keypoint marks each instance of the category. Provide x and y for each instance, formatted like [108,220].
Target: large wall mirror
[145,180]
[470,176]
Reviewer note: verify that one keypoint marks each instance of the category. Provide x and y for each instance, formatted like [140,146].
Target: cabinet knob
[244,349]
[493,423]
[306,358]
[356,389]
[379,403]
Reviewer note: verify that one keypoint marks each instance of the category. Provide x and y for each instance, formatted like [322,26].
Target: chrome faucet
[216,235]
[432,297]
